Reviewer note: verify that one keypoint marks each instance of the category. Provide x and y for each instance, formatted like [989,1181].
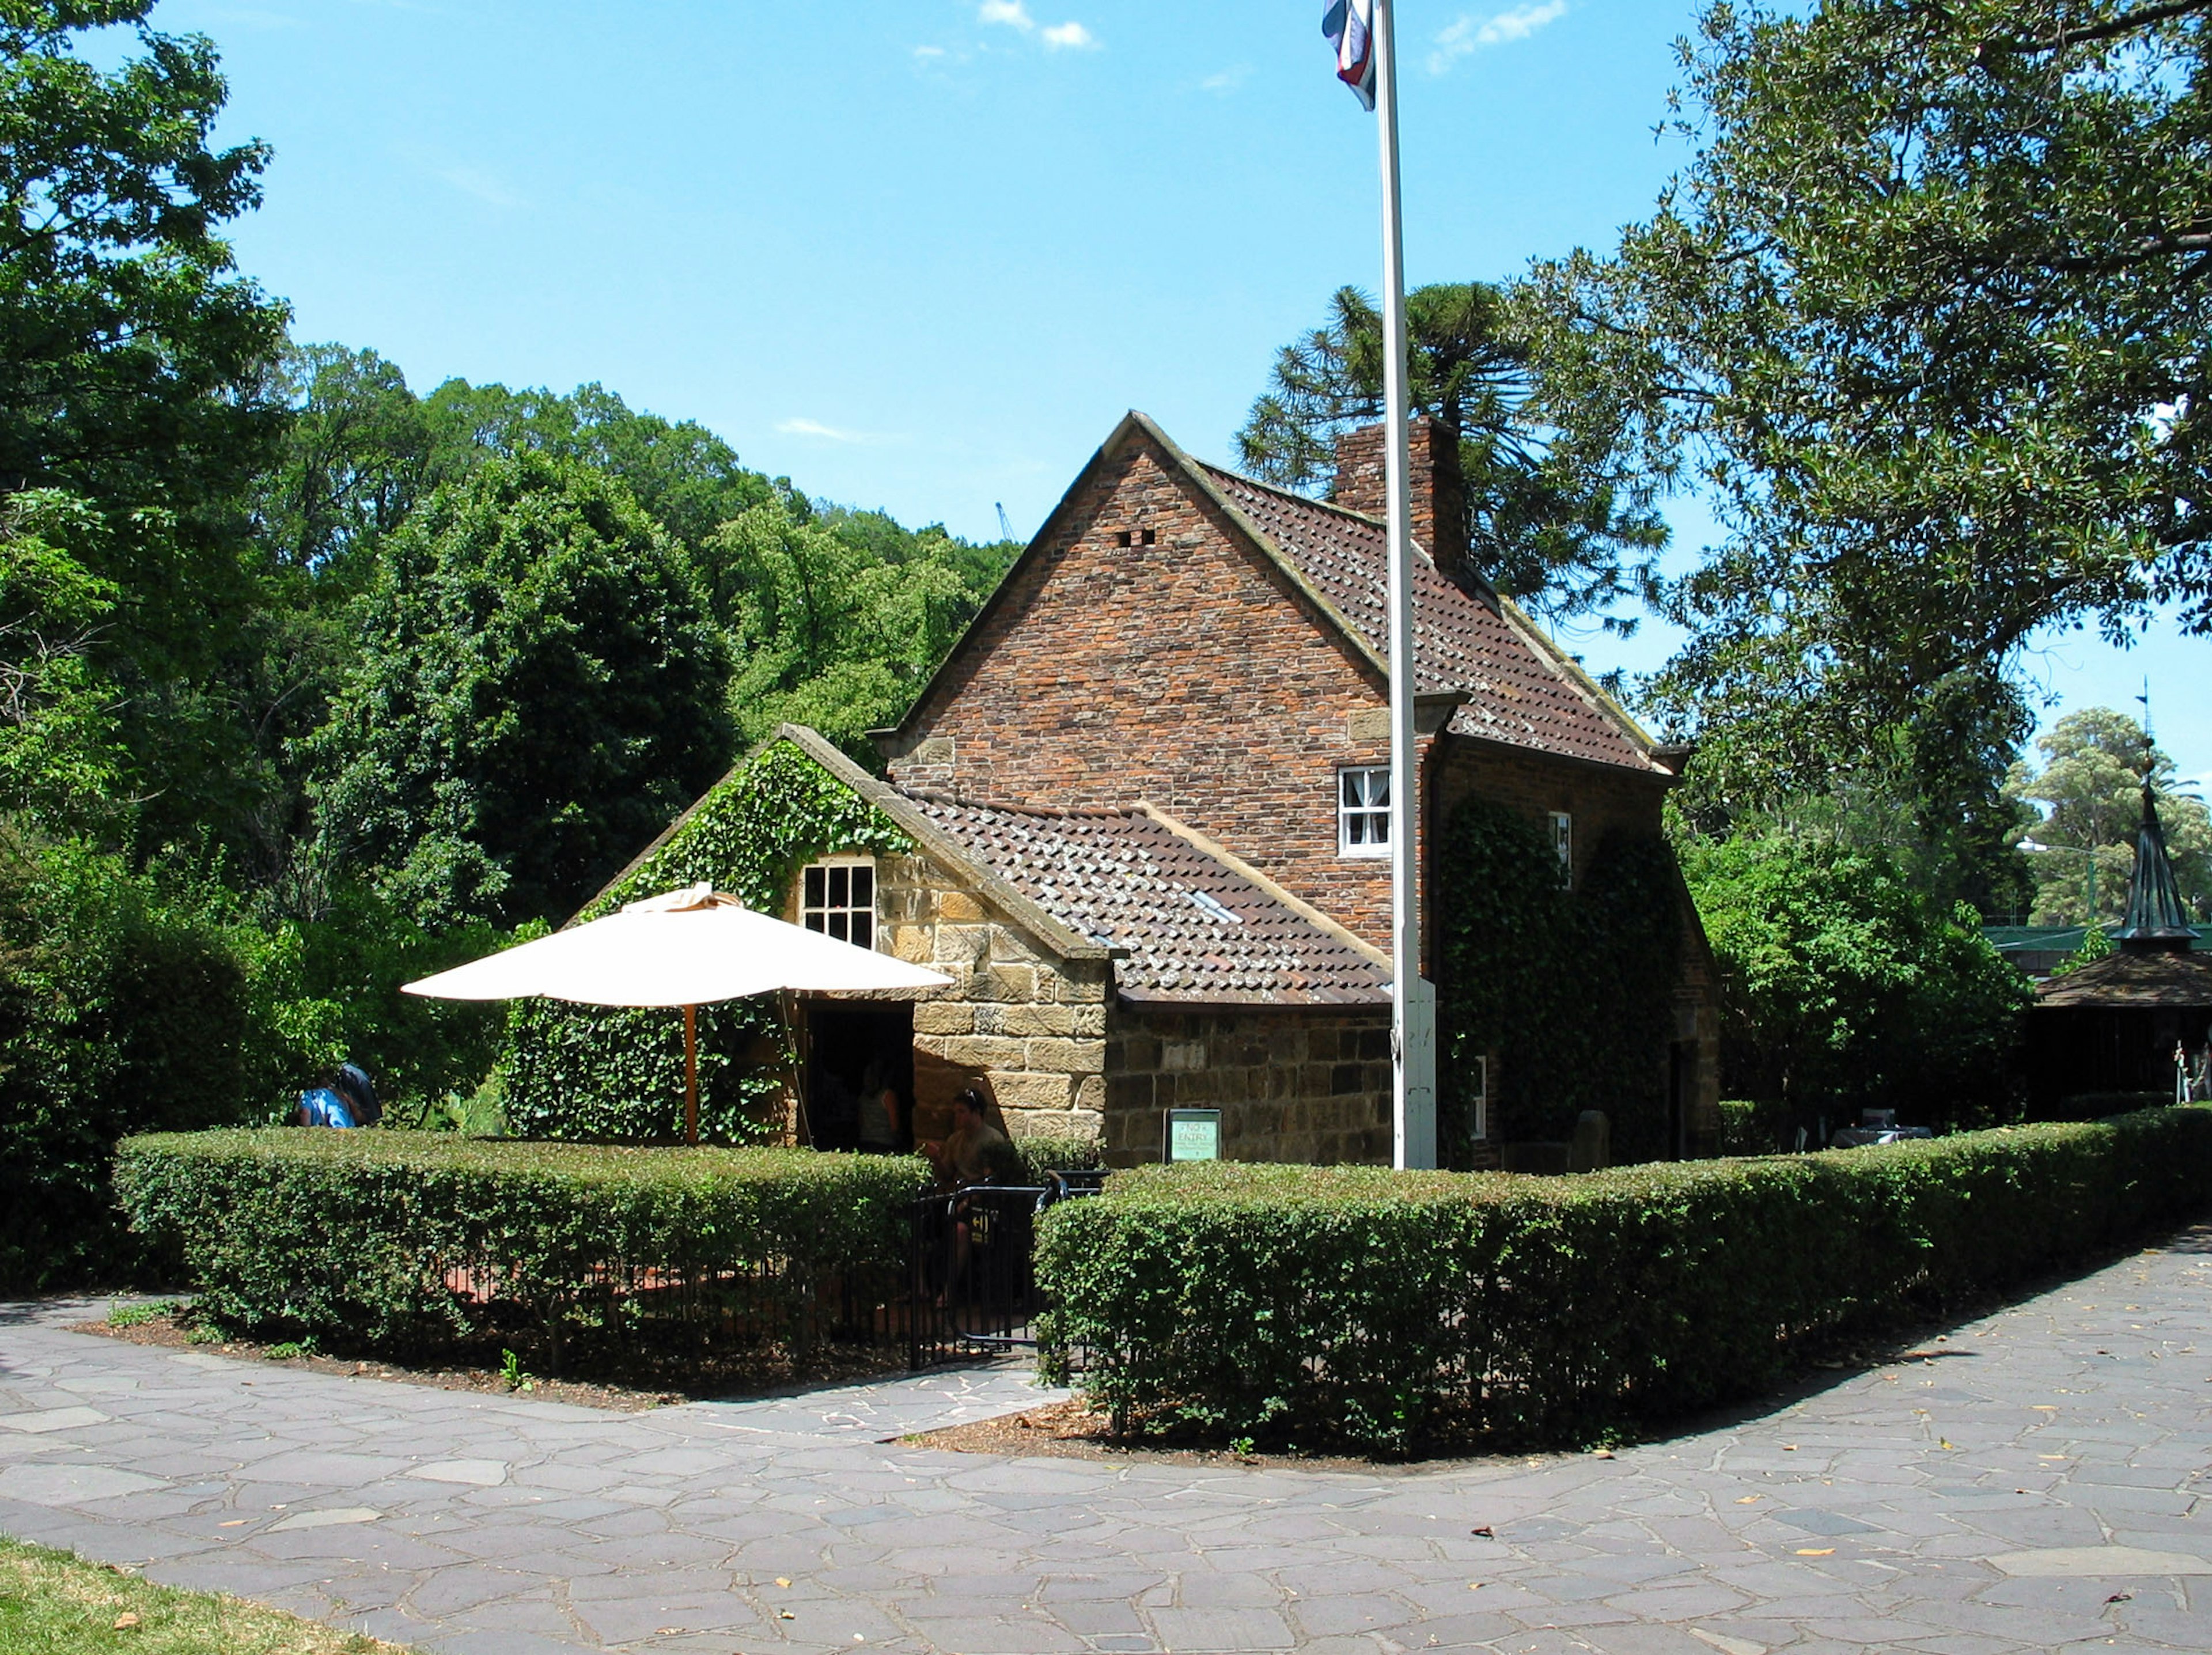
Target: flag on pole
[1350,25]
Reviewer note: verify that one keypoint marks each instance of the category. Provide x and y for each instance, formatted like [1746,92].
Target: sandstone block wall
[1293,1083]
[1032,1025]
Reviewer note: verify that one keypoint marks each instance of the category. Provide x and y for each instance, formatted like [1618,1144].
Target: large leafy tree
[689,480]
[1560,504]
[838,617]
[1844,985]
[539,690]
[1928,305]
[2088,793]
[131,357]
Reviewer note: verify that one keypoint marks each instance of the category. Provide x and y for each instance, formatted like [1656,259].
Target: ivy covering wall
[617,1075]
[1569,991]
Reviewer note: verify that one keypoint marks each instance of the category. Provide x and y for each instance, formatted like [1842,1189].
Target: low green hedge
[411,1238]
[1398,1311]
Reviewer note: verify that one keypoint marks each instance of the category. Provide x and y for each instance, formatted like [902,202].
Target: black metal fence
[972,1289]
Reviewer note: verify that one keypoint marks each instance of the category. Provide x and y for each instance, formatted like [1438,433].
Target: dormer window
[837,897]
[1363,811]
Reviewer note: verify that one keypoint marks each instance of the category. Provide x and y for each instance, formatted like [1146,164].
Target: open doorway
[860,1074]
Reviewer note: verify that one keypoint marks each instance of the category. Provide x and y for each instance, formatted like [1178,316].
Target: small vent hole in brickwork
[1121,539]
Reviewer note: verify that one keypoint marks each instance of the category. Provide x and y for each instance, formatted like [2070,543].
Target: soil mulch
[697,1382]
[1074,1430]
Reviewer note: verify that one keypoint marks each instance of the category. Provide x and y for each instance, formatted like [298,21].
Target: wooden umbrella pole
[691,1074]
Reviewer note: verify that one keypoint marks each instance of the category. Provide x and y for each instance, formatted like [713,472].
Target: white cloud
[1471,33]
[1069,36]
[1228,80]
[927,53]
[800,427]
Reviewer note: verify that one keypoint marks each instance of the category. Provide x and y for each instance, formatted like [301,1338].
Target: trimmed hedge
[370,1237]
[1395,1311]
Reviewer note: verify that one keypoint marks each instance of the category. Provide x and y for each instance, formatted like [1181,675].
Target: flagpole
[1412,1006]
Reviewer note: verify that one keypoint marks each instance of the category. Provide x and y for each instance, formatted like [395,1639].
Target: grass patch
[56,1604]
[137,1316]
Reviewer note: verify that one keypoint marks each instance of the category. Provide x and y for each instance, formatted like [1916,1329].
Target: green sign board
[1194,1134]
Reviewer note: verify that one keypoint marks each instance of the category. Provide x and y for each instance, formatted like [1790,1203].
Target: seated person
[974,1150]
[325,1104]
[351,1082]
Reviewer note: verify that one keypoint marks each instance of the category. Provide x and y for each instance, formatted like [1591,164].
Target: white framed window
[837,897]
[1363,811]
[1562,841]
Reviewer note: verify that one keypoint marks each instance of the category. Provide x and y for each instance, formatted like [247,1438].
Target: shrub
[1749,1128]
[1394,1310]
[1038,1156]
[403,1240]
[122,1006]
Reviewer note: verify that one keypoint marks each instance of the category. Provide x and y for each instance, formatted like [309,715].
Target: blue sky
[922,255]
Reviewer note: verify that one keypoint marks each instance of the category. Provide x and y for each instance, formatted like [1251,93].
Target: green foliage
[538,691]
[1394,1311]
[2096,944]
[137,1316]
[1748,1128]
[1925,306]
[1557,516]
[2090,790]
[125,1004]
[585,1073]
[1844,986]
[838,620]
[61,760]
[1523,963]
[356,1237]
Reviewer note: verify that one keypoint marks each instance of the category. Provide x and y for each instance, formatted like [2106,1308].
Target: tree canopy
[2087,794]
[1559,513]
[1927,309]
[1845,986]
[539,689]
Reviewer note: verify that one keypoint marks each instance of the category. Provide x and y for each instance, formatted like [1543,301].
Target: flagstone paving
[2037,1481]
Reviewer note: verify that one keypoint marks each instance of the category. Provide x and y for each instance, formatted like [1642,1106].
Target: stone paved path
[2039,1482]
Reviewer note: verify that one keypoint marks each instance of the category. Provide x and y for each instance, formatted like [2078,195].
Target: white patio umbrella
[688,948]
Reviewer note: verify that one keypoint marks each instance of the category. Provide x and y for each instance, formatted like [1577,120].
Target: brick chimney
[1438,495]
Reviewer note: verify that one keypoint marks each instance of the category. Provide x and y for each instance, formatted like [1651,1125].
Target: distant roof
[1518,689]
[2163,979]
[1195,928]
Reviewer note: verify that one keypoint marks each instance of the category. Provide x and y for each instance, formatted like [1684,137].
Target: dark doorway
[1681,1086]
[856,1053]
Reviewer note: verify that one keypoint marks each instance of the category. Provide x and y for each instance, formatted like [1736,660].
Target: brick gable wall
[1189,672]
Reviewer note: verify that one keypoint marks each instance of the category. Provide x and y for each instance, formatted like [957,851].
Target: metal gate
[972,1277]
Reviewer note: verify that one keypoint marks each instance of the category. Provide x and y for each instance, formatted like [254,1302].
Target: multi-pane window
[1562,841]
[1363,811]
[839,898]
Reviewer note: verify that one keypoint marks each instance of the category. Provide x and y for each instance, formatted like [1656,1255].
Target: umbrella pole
[691,1074]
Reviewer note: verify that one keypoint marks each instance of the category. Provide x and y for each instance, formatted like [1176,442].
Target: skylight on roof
[1212,905]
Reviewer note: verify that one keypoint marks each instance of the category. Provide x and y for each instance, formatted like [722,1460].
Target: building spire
[2157,921]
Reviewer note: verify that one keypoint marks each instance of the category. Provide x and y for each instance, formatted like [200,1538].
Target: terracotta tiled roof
[1517,693]
[1195,928]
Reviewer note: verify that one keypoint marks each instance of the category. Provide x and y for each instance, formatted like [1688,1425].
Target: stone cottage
[1147,798]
